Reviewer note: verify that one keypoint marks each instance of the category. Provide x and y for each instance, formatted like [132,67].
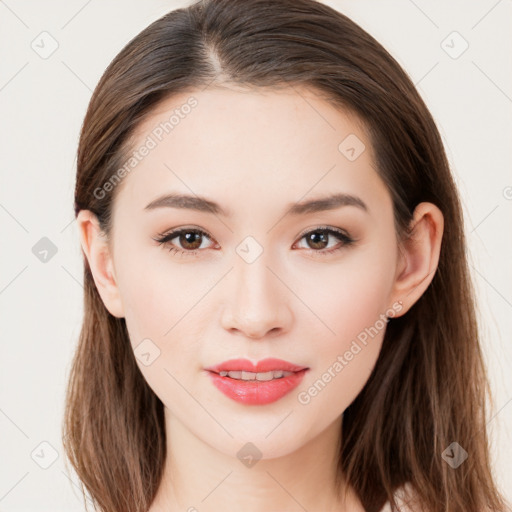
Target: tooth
[260,376]
[264,376]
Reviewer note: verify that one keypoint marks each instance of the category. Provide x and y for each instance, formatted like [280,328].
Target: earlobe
[419,255]
[96,249]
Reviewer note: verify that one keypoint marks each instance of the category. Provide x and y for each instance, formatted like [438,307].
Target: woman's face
[262,281]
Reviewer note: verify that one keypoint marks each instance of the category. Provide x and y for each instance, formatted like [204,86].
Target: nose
[256,300]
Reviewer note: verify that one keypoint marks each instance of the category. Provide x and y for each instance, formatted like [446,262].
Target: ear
[419,256]
[97,251]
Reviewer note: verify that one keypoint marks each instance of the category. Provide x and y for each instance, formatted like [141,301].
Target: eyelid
[324,227]
[166,236]
[344,236]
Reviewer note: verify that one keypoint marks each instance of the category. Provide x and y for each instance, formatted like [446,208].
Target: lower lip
[256,392]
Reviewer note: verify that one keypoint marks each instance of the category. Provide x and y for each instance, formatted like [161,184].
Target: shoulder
[405,498]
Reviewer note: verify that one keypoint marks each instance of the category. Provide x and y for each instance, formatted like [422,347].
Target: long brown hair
[429,386]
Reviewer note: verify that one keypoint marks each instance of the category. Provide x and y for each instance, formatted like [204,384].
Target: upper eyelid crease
[341,234]
[202,204]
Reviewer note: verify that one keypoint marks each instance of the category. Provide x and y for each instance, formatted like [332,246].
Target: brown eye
[318,240]
[189,240]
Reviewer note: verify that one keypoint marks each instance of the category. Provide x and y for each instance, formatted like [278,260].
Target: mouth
[256,383]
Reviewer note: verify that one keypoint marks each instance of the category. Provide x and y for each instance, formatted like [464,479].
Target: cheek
[161,304]
[347,298]
[160,331]
[351,304]
[154,294]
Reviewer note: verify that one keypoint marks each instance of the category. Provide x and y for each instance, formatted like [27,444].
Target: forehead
[231,142]
[232,113]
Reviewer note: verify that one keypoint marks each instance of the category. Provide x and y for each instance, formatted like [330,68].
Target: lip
[255,392]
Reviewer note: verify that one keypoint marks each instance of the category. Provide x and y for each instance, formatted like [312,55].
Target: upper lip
[265,365]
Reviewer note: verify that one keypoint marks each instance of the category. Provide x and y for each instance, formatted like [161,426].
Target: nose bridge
[253,280]
[256,303]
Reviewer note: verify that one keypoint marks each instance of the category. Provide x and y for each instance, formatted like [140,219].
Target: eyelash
[165,239]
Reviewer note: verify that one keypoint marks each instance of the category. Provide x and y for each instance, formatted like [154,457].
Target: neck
[198,477]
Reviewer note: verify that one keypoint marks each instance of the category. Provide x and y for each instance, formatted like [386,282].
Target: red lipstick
[275,378]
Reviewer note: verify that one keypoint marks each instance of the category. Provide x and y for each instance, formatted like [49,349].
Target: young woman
[278,309]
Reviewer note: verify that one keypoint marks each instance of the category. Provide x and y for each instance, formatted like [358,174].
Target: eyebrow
[202,204]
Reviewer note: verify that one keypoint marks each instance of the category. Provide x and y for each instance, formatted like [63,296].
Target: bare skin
[255,152]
